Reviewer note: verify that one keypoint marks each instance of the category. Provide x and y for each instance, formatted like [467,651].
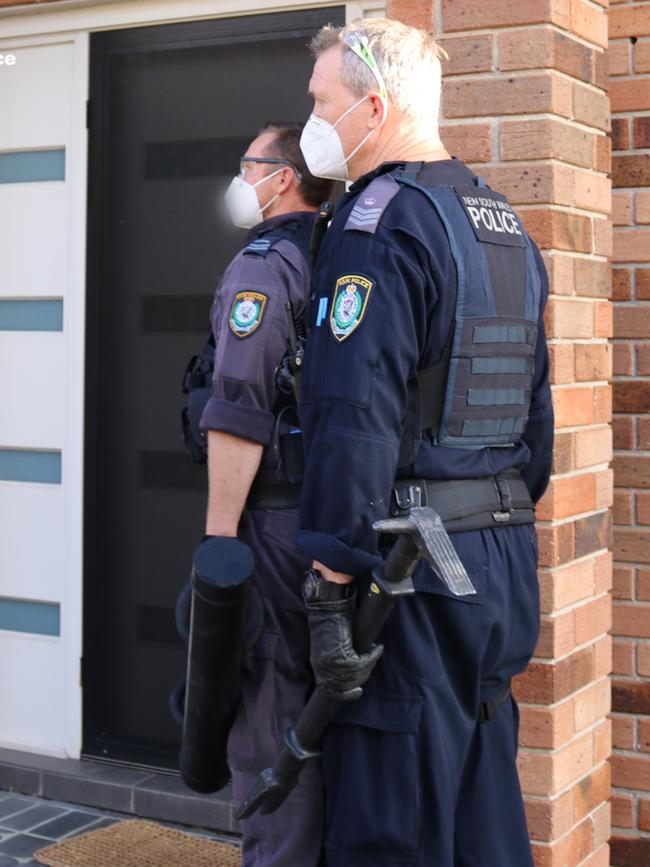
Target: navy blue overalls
[252,329]
[410,281]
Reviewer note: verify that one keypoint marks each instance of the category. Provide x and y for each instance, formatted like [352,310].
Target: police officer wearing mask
[252,435]
[425,382]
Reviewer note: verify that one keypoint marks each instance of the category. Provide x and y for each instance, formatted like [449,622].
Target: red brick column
[630,94]
[525,105]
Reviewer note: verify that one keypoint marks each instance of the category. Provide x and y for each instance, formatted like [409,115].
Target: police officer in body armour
[425,383]
[253,432]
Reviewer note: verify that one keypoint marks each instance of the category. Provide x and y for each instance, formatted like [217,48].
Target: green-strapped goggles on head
[358,42]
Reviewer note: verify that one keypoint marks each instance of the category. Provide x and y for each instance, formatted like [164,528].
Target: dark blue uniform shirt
[244,394]
[355,392]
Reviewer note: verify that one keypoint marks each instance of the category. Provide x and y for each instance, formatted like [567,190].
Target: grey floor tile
[35,815]
[22,845]
[13,804]
[71,822]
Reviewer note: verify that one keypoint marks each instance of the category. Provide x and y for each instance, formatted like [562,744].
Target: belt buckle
[412,499]
[501,517]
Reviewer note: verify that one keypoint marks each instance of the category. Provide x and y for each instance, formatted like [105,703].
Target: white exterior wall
[42,106]
[42,256]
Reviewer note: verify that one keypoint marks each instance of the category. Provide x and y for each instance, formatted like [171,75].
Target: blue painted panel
[31,315]
[27,465]
[19,167]
[37,618]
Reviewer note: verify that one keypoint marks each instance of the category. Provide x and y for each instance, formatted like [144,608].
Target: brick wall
[525,105]
[629,67]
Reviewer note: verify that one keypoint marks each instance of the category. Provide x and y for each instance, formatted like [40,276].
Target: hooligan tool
[421,535]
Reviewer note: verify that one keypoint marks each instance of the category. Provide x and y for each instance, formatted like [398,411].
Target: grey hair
[408,59]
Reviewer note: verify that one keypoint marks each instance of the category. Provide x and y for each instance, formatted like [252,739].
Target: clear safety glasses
[244,161]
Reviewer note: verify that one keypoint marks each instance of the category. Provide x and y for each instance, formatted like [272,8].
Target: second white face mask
[322,149]
[242,203]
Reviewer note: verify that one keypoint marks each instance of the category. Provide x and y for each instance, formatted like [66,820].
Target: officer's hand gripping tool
[421,535]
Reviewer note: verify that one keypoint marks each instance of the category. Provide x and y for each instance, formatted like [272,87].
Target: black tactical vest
[479,394]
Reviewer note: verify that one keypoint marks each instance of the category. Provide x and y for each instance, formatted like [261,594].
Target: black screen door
[172,108]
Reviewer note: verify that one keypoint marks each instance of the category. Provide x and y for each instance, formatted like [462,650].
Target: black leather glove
[338,668]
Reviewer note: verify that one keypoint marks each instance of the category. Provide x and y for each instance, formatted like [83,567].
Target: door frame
[95,15]
[242,29]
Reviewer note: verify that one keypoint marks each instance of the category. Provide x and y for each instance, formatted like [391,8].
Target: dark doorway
[172,108]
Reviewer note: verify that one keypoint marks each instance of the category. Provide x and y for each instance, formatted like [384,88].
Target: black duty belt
[468,504]
[274,495]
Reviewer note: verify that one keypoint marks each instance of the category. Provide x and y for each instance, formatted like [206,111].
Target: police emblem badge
[350,302]
[246,313]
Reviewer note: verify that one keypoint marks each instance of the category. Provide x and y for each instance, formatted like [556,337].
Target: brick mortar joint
[551,161]
[526,118]
[520,74]
[550,26]
[570,210]
[578,605]
[557,613]
[513,27]
[557,705]
[554,523]
[582,471]
[553,796]
[577,648]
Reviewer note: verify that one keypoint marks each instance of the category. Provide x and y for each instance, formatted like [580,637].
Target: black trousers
[411,777]
[276,682]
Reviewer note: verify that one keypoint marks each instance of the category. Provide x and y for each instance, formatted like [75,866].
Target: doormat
[136,843]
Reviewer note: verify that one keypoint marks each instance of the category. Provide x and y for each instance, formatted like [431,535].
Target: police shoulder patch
[246,313]
[351,296]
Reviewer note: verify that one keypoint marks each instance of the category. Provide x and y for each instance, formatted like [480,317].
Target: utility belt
[468,504]
[463,504]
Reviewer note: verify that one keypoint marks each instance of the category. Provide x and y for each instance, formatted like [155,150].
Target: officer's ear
[286,178]
[379,110]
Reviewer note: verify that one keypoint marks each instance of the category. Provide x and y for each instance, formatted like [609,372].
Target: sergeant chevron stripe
[369,207]
[364,216]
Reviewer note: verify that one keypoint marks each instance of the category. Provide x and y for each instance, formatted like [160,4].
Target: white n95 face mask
[242,203]
[322,149]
